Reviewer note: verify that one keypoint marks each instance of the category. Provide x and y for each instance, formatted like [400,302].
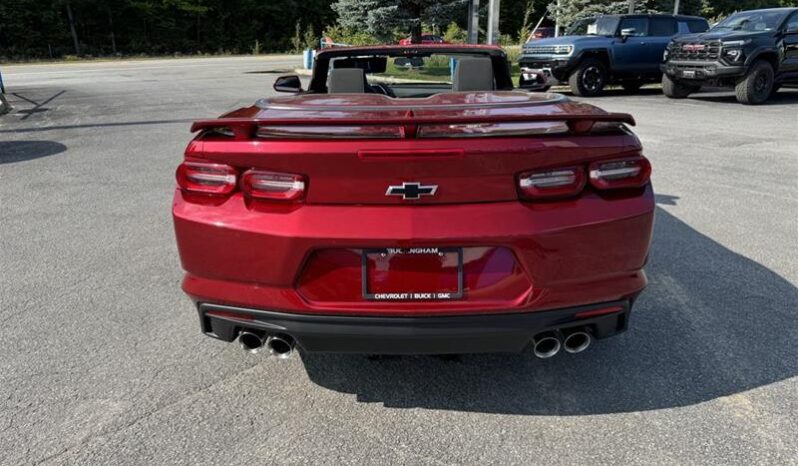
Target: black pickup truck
[755,52]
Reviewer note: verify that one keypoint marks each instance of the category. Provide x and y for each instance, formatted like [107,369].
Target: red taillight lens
[206,178]
[621,173]
[260,184]
[554,182]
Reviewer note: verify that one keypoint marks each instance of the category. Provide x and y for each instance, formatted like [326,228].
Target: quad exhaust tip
[577,341]
[280,346]
[546,345]
[251,342]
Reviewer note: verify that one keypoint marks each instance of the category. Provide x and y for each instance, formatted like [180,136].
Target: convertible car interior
[406,71]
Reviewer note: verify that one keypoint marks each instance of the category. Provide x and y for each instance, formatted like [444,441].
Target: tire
[757,85]
[632,86]
[589,78]
[675,90]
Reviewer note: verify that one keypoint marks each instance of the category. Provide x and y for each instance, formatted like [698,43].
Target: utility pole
[631,7]
[473,22]
[72,28]
[557,20]
[493,22]
[676,7]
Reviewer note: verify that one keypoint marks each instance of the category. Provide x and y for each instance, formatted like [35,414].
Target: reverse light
[213,179]
[266,185]
[632,172]
[554,182]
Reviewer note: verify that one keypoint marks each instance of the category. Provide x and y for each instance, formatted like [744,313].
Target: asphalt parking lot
[102,362]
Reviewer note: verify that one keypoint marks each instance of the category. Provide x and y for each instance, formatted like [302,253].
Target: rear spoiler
[245,128]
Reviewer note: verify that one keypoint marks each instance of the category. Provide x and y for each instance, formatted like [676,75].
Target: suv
[753,51]
[613,49]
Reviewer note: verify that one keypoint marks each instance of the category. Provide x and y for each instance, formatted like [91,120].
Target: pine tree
[382,18]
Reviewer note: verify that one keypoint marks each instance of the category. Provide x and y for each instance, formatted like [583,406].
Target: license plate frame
[409,295]
[688,74]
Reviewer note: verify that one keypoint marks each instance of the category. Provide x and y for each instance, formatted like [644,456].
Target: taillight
[259,184]
[554,182]
[206,178]
[621,173]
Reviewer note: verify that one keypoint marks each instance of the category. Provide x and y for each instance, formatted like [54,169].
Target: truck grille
[541,50]
[695,51]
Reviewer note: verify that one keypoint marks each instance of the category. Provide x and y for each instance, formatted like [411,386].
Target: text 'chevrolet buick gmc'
[754,52]
[366,216]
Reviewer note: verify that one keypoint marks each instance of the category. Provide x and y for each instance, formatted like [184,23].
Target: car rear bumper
[513,332]
[561,254]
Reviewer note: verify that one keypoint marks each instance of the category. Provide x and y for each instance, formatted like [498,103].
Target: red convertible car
[451,215]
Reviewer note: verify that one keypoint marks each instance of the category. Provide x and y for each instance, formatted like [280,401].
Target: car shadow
[37,107]
[613,92]
[20,151]
[712,323]
[783,97]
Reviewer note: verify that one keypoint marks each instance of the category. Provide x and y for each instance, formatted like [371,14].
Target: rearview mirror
[289,83]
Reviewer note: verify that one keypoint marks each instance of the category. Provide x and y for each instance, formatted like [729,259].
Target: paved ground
[101,360]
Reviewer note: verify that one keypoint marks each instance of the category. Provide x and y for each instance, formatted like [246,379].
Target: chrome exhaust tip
[546,345]
[280,346]
[251,342]
[577,341]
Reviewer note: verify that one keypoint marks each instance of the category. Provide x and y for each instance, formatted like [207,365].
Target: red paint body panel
[519,256]
[568,252]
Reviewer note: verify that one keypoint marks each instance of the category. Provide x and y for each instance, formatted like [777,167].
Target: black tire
[757,85]
[631,86]
[589,78]
[675,90]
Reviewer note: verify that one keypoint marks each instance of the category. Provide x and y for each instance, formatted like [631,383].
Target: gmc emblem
[693,47]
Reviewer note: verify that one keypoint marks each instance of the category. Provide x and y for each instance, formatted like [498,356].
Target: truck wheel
[676,90]
[588,79]
[632,86]
[756,86]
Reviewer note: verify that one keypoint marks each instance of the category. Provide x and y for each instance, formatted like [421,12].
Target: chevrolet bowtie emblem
[411,191]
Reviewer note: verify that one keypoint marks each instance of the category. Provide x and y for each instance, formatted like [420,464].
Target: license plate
[413,274]
[688,74]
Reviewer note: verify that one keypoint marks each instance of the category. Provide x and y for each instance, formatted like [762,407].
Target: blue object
[452,65]
[307,59]
[2,87]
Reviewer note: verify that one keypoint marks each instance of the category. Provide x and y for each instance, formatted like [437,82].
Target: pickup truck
[457,216]
[755,52]
[611,49]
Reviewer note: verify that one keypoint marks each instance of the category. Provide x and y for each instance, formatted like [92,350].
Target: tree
[381,18]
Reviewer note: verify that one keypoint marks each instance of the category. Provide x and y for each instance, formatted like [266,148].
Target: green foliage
[309,39]
[381,18]
[40,28]
[344,35]
[296,39]
[454,34]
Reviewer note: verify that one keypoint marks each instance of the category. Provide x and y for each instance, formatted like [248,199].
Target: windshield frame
[610,24]
[776,16]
